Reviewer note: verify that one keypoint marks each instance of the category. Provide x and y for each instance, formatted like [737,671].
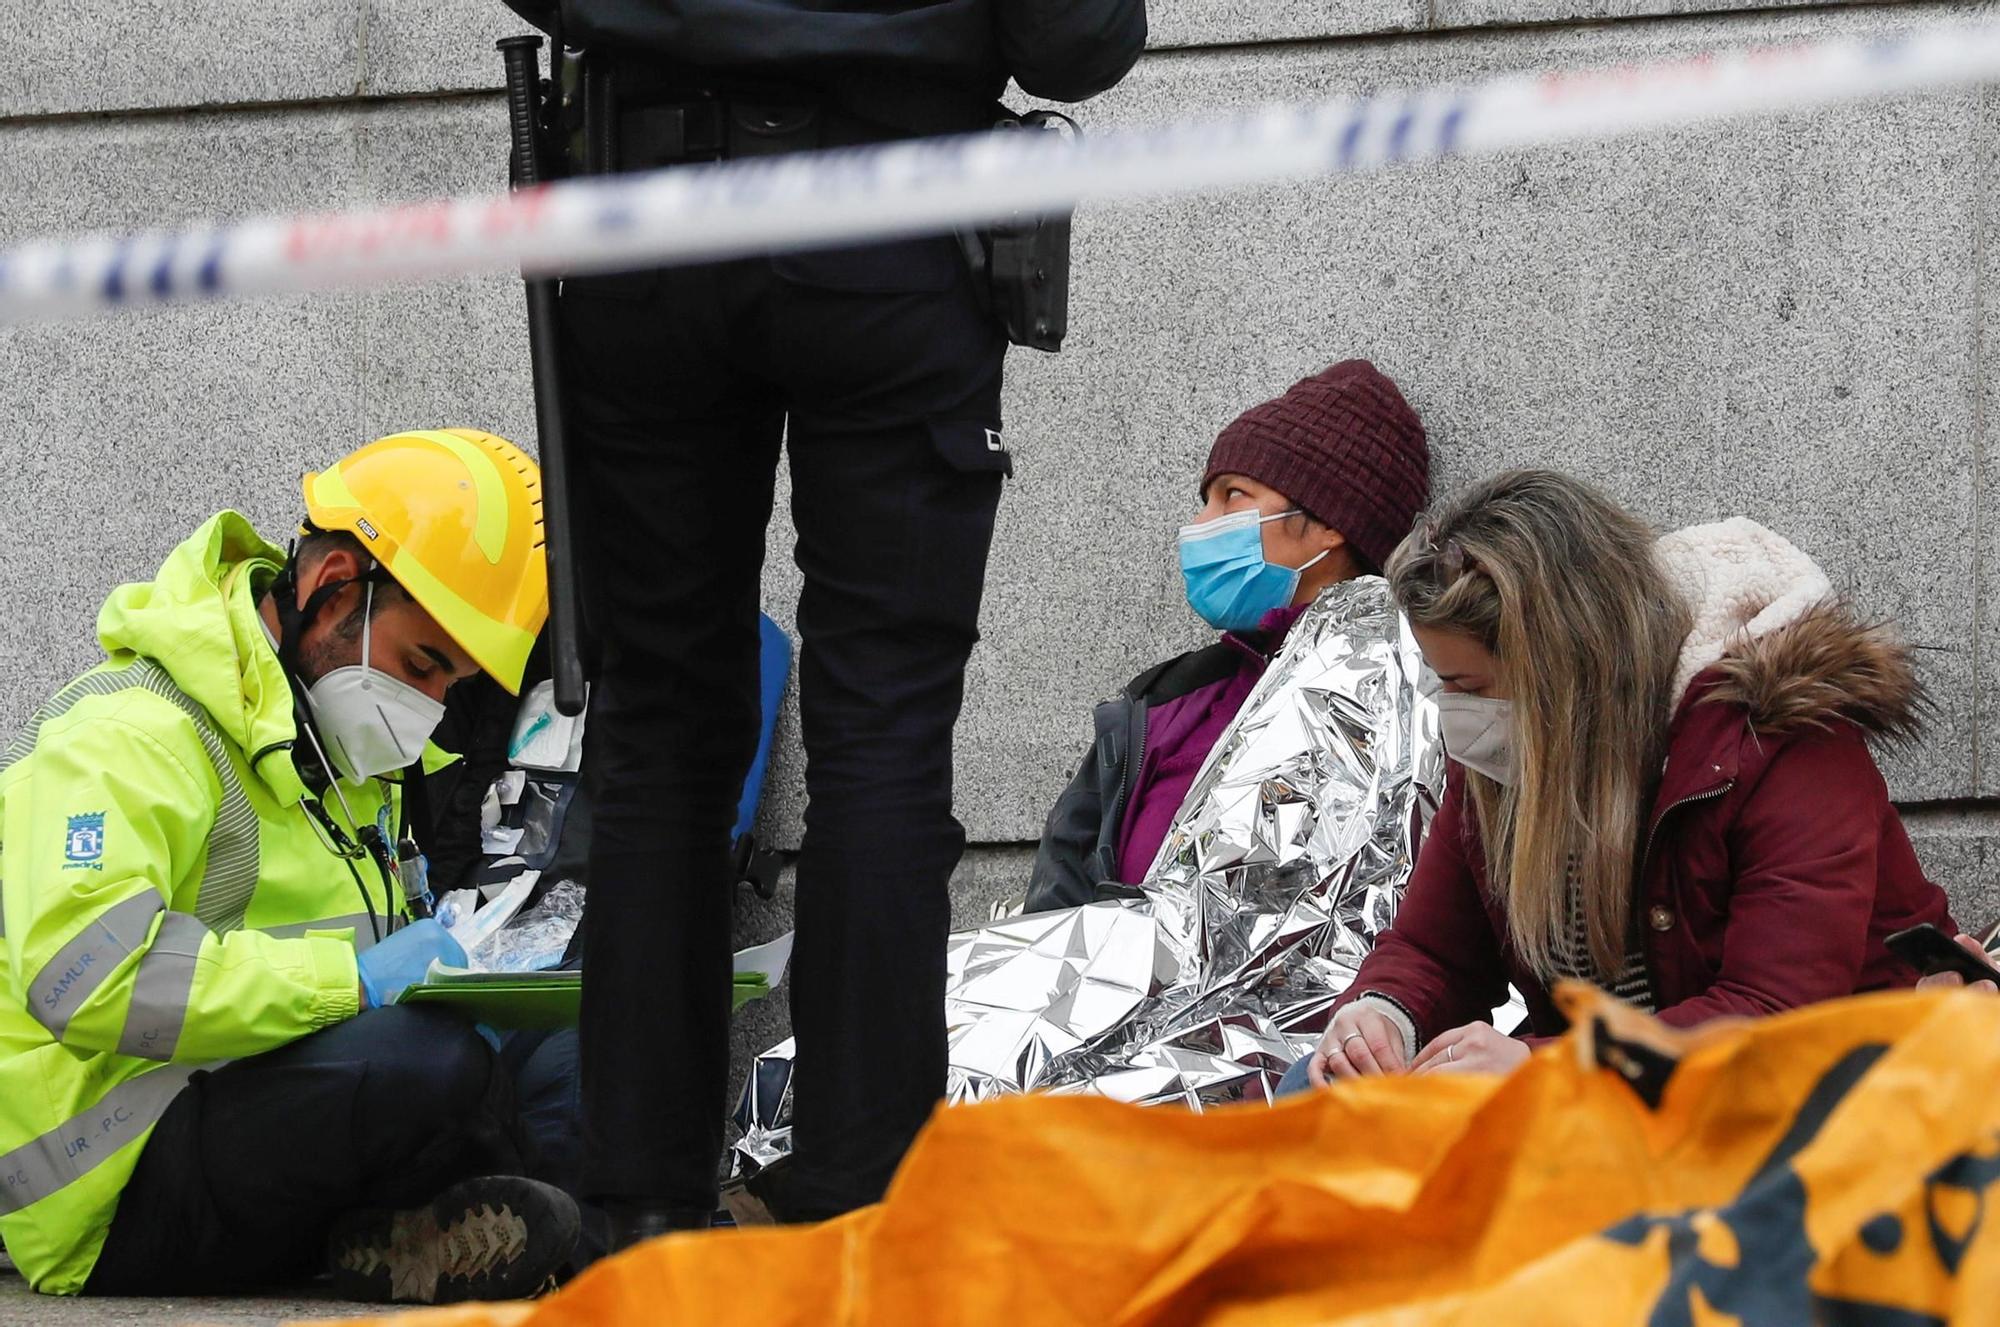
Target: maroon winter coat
[1776,863]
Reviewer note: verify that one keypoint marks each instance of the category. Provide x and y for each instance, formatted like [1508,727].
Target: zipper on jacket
[1646,860]
[257,757]
[1653,835]
[1136,752]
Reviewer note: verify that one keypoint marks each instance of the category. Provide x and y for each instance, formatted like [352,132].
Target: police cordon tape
[732,209]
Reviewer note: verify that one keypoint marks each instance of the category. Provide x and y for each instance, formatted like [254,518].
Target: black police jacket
[920,64]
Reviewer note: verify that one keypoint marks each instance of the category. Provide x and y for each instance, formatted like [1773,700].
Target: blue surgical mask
[1228,580]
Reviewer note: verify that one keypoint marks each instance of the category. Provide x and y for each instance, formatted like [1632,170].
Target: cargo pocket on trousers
[970,447]
[954,521]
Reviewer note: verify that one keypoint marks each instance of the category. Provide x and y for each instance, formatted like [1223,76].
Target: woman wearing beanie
[1299,493]
[1661,781]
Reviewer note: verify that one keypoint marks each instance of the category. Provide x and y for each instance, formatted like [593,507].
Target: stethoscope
[337,841]
[402,867]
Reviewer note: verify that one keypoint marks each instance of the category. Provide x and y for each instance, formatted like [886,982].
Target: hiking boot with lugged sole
[497,1237]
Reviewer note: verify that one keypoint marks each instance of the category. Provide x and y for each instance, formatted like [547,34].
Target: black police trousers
[244,1175]
[879,374]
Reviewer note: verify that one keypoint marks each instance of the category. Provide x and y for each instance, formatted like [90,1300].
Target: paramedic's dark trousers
[248,1168]
[880,376]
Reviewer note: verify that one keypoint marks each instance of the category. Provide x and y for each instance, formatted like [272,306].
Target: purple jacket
[1108,824]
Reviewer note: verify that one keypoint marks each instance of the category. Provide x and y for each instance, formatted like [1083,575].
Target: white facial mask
[1478,733]
[371,722]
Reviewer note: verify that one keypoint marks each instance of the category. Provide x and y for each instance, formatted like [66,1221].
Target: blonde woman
[1662,781]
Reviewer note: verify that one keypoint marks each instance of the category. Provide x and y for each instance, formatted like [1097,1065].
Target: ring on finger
[1451,1052]
[1352,1036]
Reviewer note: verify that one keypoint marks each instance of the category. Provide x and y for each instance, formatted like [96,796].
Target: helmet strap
[294,619]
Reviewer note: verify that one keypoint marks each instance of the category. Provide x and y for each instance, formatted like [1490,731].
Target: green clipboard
[533,999]
[545,1000]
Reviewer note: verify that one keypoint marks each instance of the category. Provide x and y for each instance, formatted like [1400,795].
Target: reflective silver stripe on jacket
[230,876]
[41,1166]
[162,988]
[358,922]
[85,963]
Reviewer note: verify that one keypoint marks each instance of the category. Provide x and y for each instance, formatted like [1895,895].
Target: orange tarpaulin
[1828,1165]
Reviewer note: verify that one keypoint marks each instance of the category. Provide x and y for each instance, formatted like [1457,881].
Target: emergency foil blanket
[1285,862]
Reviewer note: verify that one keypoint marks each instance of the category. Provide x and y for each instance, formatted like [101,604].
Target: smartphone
[1928,950]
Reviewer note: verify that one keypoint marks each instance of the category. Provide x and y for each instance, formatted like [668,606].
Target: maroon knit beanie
[1345,447]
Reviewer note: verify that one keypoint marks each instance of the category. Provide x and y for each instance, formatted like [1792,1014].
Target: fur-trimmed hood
[1788,649]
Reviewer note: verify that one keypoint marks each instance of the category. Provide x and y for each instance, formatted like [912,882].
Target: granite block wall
[1786,319]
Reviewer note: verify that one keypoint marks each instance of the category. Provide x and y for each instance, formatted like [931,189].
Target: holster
[1021,267]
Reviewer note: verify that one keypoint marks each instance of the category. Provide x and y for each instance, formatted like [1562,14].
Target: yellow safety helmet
[455,515]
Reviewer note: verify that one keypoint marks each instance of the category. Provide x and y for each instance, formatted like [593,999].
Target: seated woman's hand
[1939,980]
[1476,1048]
[1360,1042]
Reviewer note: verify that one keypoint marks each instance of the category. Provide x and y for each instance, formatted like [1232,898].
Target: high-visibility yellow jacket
[168,902]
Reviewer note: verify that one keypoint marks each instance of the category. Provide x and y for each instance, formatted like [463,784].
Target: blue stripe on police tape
[1350,137]
[1399,134]
[209,279]
[162,280]
[114,276]
[1448,130]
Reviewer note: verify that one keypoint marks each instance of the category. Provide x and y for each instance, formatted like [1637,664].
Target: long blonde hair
[1560,584]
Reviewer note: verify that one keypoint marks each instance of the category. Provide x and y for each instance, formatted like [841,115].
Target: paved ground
[20,1307]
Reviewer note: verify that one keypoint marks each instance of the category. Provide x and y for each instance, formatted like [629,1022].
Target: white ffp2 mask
[371,722]
[1478,733]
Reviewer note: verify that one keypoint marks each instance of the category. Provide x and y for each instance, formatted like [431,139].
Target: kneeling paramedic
[205,1082]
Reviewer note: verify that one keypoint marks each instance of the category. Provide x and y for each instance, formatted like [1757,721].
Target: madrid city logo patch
[83,849]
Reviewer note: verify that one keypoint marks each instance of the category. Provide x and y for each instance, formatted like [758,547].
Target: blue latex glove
[402,960]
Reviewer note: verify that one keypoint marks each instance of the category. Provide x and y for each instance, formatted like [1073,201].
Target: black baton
[565,645]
